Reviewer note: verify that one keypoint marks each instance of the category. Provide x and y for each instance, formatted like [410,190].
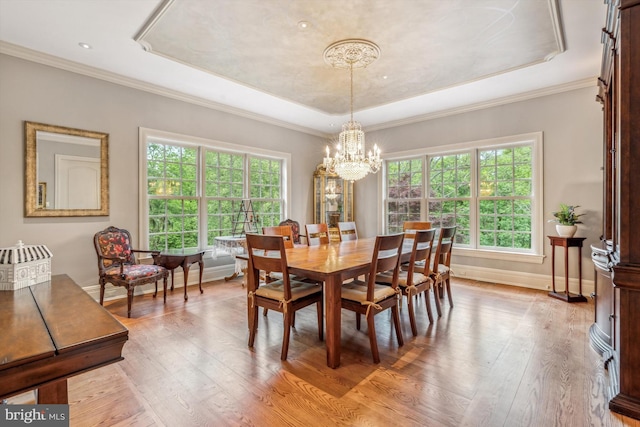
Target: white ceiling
[252,58]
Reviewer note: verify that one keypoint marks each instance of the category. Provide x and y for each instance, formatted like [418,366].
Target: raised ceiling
[254,57]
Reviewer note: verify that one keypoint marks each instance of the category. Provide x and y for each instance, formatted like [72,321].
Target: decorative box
[24,265]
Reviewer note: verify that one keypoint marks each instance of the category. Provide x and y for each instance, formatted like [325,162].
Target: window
[193,189]
[491,190]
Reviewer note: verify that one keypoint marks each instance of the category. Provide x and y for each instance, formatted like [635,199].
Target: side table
[566,242]
[235,245]
[175,258]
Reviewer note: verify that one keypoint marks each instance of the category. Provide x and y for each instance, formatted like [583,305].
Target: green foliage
[567,215]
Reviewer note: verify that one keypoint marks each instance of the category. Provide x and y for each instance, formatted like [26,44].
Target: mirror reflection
[66,171]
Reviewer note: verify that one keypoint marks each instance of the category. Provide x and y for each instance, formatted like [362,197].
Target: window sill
[502,256]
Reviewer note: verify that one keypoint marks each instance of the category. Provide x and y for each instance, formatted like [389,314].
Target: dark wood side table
[566,242]
[175,258]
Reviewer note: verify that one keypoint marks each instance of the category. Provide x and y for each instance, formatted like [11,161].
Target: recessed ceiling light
[303,25]
[385,77]
[84,45]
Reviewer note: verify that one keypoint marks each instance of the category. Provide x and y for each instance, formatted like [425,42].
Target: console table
[566,242]
[235,245]
[50,332]
[184,258]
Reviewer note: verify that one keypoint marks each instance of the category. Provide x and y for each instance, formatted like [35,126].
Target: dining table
[332,264]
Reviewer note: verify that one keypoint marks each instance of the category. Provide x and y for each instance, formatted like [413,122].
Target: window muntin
[193,188]
[486,188]
[404,180]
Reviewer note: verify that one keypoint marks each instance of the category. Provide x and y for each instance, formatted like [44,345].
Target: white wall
[571,122]
[39,93]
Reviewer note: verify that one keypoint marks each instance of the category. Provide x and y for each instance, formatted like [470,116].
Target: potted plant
[566,219]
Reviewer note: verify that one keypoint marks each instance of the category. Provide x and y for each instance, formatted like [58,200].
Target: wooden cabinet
[332,200]
[616,331]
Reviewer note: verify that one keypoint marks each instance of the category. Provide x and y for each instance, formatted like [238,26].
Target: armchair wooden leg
[156,292]
[102,286]
[129,300]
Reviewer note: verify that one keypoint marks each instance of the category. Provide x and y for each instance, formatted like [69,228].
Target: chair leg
[396,322]
[253,322]
[129,300]
[427,303]
[102,286]
[412,316]
[156,292]
[373,340]
[288,318]
[436,297]
[448,284]
[293,319]
[265,310]
[358,321]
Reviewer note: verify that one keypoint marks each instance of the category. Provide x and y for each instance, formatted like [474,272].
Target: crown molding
[552,90]
[74,67]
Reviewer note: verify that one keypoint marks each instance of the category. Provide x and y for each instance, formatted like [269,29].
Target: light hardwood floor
[503,356]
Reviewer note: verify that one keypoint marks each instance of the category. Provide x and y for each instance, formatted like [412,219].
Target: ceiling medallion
[350,161]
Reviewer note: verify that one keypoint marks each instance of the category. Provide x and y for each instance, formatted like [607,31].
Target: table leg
[566,271]
[201,264]
[580,270]
[172,279]
[553,268]
[54,393]
[333,309]
[185,271]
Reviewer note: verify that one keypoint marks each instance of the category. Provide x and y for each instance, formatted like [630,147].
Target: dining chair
[370,298]
[295,229]
[441,270]
[348,231]
[117,264]
[411,282]
[408,227]
[317,234]
[268,253]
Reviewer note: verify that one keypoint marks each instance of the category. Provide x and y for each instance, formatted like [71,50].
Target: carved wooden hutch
[332,200]
[616,331]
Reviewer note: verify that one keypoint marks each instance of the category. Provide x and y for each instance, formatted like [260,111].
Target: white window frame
[536,255]
[146,134]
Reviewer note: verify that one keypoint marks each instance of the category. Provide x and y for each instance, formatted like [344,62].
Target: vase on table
[566,230]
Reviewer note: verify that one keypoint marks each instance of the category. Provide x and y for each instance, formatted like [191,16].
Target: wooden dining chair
[348,231]
[441,270]
[268,253]
[370,298]
[408,227]
[317,234]
[412,282]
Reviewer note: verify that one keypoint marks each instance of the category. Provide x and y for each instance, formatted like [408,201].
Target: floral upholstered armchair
[117,264]
[295,227]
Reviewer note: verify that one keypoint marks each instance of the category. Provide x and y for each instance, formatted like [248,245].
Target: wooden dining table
[332,264]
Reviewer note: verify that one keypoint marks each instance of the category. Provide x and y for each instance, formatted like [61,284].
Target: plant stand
[566,242]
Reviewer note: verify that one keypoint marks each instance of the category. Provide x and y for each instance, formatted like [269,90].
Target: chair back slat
[317,234]
[267,253]
[348,231]
[421,252]
[284,231]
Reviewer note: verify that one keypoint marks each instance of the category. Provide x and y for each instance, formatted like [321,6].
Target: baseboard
[517,278]
[209,274]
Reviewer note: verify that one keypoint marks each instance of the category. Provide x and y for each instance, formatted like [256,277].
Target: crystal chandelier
[350,161]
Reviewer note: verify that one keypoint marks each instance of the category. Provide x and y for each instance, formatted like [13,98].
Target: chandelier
[350,161]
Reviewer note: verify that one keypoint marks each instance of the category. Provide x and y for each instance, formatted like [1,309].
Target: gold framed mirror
[66,171]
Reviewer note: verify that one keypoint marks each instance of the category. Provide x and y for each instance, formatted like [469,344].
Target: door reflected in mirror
[66,171]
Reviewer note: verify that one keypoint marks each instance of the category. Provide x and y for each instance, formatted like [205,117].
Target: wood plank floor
[503,356]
